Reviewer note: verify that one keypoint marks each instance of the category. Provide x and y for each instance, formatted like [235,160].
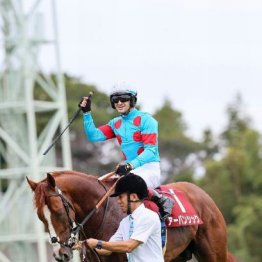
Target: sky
[198,54]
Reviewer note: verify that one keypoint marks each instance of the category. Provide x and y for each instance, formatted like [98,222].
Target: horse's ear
[51,180]
[31,183]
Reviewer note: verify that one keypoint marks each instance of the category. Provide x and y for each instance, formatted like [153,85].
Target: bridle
[67,205]
[75,227]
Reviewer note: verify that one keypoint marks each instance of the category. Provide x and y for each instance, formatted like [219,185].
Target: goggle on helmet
[123,95]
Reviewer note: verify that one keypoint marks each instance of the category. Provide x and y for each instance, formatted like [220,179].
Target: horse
[64,199]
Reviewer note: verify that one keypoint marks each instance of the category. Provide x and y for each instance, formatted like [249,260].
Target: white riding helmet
[123,90]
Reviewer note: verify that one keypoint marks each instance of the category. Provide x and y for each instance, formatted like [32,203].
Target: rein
[80,226]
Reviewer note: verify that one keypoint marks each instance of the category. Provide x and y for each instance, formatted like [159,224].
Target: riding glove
[123,170]
[87,107]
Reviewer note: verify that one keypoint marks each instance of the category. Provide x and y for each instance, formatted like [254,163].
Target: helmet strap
[135,201]
[128,204]
[129,201]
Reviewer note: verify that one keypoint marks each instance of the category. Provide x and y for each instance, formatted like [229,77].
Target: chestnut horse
[65,198]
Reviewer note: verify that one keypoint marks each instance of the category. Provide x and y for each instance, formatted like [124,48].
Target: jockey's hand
[123,170]
[85,104]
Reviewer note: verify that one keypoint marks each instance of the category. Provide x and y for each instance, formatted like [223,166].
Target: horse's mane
[39,196]
[72,172]
[91,177]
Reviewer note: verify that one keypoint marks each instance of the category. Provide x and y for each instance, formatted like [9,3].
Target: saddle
[183,213]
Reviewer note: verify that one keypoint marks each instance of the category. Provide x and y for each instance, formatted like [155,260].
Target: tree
[178,151]
[233,179]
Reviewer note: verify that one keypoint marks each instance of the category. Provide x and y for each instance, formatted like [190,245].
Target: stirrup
[164,203]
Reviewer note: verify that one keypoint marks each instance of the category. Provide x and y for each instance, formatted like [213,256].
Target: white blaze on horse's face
[61,252]
[47,215]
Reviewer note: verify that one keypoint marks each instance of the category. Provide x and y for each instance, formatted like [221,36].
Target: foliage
[101,108]
[174,145]
[75,90]
[233,179]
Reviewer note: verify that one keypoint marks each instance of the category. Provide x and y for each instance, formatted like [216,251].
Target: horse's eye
[60,214]
[55,205]
[58,211]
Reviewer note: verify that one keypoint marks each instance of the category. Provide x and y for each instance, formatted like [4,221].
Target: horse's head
[56,211]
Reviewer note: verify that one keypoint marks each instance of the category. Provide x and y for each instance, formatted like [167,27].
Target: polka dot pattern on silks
[118,124]
[137,121]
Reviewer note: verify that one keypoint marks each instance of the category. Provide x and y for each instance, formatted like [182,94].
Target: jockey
[137,135]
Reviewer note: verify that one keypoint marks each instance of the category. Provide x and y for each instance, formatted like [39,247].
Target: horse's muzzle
[65,255]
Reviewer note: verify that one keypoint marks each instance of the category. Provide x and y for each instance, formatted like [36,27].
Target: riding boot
[164,203]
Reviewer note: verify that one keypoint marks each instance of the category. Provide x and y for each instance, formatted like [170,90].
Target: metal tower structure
[28,96]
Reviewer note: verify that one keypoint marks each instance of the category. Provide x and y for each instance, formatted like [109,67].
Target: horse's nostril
[58,259]
[66,257]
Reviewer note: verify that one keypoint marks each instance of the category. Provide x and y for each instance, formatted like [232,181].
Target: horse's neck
[85,199]
[85,193]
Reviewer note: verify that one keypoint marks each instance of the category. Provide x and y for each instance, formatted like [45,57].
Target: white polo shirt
[147,229]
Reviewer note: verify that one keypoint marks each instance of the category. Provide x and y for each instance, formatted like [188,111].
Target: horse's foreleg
[178,239]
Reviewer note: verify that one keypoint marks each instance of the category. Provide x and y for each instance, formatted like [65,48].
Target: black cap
[131,183]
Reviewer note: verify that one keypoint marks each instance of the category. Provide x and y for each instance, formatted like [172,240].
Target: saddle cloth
[183,213]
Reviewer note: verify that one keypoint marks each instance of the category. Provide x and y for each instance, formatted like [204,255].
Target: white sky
[199,54]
